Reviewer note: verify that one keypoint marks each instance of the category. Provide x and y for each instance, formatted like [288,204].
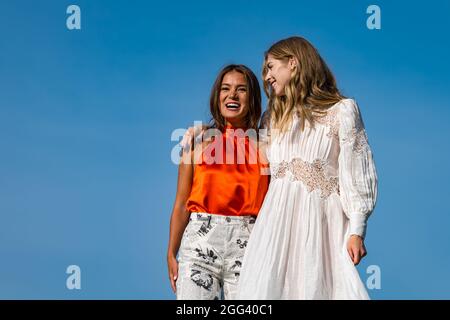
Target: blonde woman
[311,227]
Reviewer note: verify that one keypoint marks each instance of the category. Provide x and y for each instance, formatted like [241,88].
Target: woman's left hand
[356,248]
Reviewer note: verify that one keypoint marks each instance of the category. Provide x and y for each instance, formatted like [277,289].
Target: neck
[234,125]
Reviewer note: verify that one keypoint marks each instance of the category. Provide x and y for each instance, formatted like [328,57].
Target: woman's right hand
[192,132]
[172,264]
[356,248]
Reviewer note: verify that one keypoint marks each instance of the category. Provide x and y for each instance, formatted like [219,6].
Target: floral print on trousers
[210,256]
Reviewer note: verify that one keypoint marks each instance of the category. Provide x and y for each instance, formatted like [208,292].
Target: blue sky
[86,117]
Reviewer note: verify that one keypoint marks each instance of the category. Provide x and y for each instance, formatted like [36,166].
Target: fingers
[357,253]
[197,129]
[185,142]
[191,132]
[173,279]
[173,276]
[363,252]
[356,249]
[356,256]
[173,273]
[350,253]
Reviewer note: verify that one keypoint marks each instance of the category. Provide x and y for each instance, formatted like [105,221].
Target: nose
[268,76]
[232,93]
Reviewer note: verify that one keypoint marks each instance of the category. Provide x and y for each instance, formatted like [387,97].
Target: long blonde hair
[311,90]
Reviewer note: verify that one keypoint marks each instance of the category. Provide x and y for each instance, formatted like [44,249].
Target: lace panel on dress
[358,137]
[330,120]
[311,174]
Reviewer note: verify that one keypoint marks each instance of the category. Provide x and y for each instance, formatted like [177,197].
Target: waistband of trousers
[220,218]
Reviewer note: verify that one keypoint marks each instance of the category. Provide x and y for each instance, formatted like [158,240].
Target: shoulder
[347,106]
[343,108]
[349,116]
[347,111]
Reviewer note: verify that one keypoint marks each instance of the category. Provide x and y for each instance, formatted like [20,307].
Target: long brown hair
[253,94]
[311,90]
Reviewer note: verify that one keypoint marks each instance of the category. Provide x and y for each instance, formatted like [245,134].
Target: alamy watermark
[229,146]
[73,281]
[73,21]
[373,282]
[374,20]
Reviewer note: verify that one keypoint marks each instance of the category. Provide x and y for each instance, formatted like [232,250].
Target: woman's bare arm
[180,216]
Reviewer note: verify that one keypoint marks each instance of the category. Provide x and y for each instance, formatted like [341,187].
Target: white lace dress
[323,189]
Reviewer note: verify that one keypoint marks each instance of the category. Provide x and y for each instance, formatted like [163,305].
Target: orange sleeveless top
[229,180]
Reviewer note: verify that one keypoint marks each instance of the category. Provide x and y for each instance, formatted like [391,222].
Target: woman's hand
[172,264]
[192,132]
[356,248]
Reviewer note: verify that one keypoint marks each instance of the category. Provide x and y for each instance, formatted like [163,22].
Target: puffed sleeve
[357,173]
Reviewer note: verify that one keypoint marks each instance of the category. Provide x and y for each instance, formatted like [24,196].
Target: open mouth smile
[233,106]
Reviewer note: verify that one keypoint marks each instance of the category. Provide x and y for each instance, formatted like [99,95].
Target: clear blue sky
[86,118]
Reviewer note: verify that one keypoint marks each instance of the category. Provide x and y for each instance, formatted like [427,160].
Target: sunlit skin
[279,73]
[233,98]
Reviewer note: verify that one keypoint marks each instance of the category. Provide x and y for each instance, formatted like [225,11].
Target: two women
[310,230]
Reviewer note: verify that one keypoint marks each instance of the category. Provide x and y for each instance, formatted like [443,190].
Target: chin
[278,93]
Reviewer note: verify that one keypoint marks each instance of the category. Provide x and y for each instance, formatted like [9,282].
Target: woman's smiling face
[234,98]
[278,74]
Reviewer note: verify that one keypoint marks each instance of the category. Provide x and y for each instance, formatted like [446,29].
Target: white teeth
[232,105]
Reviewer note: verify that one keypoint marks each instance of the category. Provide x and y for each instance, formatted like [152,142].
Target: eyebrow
[239,85]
